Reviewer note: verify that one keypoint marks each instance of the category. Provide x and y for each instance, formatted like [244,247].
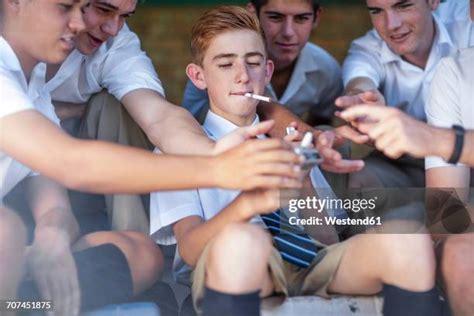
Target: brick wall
[164,32]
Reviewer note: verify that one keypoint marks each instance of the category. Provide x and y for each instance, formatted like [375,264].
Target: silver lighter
[311,154]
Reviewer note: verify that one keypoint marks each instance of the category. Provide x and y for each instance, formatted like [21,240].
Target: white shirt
[452,96]
[167,208]
[17,95]
[314,85]
[456,16]
[119,65]
[404,85]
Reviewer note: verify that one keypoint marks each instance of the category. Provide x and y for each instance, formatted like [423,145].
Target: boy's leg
[234,271]
[403,265]
[457,267]
[12,248]
[107,119]
[142,255]
[112,267]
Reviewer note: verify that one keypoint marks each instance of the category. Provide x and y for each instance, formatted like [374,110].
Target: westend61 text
[317,221]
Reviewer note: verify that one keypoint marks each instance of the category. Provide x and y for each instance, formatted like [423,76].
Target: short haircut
[218,21]
[258,4]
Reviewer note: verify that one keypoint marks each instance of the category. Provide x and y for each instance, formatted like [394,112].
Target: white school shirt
[315,83]
[452,96]
[17,95]
[167,208]
[456,16]
[404,85]
[119,65]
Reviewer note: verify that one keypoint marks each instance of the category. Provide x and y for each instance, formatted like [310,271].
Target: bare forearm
[180,133]
[193,243]
[169,127]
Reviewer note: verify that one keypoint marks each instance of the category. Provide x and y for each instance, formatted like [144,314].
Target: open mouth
[399,37]
[95,42]
[68,42]
[240,93]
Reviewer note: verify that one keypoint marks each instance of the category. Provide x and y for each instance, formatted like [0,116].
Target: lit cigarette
[258,97]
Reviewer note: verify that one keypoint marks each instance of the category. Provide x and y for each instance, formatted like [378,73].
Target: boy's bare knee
[409,260]
[242,241]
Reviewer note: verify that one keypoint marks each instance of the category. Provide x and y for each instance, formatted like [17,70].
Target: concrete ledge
[313,305]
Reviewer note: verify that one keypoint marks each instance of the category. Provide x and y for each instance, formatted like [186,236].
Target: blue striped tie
[294,245]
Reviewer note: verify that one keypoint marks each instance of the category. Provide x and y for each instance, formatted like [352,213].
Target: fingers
[269,181]
[257,129]
[372,113]
[349,133]
[343,166]
[348,101]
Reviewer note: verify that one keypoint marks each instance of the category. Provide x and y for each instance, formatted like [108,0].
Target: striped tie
[294,245]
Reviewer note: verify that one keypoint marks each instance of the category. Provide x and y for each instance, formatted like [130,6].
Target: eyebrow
[251,54]
[393,5]
[282,14]
[112,7]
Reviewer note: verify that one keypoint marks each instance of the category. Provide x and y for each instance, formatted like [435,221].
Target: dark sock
[217,303]
[407,303]
[104,278]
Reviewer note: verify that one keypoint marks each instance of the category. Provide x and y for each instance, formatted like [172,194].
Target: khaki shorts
[288,279]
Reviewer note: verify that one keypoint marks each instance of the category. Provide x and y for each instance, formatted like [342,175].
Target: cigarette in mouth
[258,97]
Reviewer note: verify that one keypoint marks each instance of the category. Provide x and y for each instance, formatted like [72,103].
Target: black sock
[104,278]
[217,303]
[407,303]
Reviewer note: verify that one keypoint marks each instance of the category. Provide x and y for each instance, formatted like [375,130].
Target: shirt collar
[304,64]
[9,59]
[442,39]
[217,126]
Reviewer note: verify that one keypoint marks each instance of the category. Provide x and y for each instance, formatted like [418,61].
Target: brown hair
[218,21]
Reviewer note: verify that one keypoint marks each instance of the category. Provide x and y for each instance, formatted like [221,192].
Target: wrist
[445,146]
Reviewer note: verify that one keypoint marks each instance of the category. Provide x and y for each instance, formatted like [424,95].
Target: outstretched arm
[105,167]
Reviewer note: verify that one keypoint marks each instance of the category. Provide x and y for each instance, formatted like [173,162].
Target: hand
[372,97]
[242,134]
[333,161]
[267,163]
[347,132]
[50,262]
[394,132]
[260,201]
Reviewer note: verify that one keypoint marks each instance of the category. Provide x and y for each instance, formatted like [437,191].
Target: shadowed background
[164,29]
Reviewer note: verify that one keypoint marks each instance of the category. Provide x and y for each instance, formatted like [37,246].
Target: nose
[76,23]
[288,27]
[111,26]
[393,21]
[242,74]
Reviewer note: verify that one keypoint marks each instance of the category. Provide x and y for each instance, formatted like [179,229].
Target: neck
[51,71]
[472,10]
[420,58]
[281,77]
[27,62]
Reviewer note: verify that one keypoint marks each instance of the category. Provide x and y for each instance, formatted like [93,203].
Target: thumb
[370,96]
[258,129]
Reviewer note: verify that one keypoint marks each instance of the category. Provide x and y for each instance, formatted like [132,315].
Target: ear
[196,74]
[317,18]
[251,8]
[269,67]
